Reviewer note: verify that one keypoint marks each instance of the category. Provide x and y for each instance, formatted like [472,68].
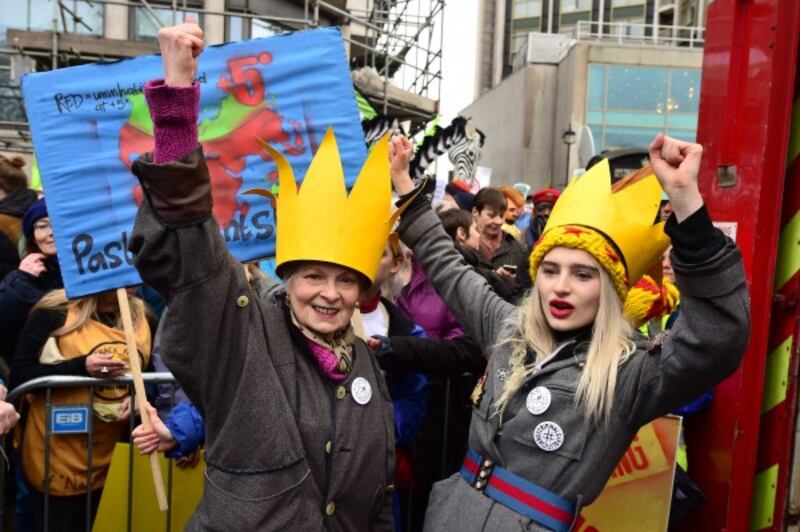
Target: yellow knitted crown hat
[615,225]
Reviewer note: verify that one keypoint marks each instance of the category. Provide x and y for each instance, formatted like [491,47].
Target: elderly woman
[299,425]
[569,383]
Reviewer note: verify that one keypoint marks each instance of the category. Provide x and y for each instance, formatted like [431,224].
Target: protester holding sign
[569,382]
[299,425]
[82,337]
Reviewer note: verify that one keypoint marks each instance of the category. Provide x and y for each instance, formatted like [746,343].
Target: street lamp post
[569,139]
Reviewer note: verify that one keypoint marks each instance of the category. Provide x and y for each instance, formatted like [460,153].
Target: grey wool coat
[286,448]
[706,345]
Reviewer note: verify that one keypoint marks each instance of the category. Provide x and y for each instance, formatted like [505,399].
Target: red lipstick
[560,309]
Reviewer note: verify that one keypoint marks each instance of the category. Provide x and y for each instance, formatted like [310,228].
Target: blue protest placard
[89,123]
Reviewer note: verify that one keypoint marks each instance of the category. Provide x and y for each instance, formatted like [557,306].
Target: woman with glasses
[38,273]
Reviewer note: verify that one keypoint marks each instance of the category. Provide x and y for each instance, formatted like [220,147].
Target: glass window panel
[235,28]
[634,119]
[685,90]
[91,15]
[146,27]
[637,88]
[41,13]
[575,5]
[628,137]
[683,134]
[527,8]
[261,28]
[618,3]
[597,87]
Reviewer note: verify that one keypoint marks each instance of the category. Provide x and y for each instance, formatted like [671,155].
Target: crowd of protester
[421,330]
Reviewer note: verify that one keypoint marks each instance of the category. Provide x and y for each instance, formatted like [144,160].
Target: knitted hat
[546,195]
[647,300]
[588,240]
[36,211]
[613,224]
[455,186]
[465,200]
[512,195]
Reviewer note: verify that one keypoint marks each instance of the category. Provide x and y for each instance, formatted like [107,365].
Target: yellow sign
[642,481]
[184,495]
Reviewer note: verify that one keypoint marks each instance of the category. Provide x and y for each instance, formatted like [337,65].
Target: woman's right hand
[105,367]
[156,438]
[400,153]
[33,263]
[180,46]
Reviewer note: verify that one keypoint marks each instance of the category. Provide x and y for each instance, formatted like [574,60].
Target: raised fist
[180,46]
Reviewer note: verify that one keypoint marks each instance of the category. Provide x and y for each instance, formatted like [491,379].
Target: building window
[236,29]
[261,28]
[526,9]
[146,29]
[628,105]
[620,3]
[569,6]
[38,15]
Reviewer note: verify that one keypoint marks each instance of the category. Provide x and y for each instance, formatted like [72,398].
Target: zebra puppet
[461,140]
[465,153]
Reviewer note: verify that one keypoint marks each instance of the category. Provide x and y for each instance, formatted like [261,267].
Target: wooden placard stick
[141,398]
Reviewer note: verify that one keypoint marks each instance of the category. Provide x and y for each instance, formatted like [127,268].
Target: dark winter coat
[705,346]
[19,291]
[286,448]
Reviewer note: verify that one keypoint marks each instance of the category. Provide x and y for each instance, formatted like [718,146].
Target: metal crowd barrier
[46,385]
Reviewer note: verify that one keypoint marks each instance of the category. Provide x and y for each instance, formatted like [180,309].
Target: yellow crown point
[624,213]
[319,222]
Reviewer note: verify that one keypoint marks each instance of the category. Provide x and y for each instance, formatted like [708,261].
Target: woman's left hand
[676,164]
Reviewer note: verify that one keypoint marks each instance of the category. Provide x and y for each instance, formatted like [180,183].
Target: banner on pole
[90,123]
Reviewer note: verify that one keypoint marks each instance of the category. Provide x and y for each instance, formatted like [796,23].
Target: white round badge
[538,400]
[361,390]
[548,436]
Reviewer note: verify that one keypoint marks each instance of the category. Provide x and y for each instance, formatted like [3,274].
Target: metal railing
[47,385]
[624,33]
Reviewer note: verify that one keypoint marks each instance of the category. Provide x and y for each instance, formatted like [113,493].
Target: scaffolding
[394,46]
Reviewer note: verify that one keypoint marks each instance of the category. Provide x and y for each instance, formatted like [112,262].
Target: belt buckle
[482,476]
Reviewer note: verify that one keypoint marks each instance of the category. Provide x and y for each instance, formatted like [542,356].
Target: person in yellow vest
[81,337]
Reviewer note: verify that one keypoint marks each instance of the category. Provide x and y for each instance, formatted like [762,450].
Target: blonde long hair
[86,308]
[610,346]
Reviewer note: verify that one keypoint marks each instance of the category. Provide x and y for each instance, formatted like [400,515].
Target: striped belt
[524,497]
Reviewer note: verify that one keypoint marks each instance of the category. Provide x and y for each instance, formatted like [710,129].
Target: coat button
[328,447]
[341,391]
[487,463]
[478,485]
[242,301]
[330,508]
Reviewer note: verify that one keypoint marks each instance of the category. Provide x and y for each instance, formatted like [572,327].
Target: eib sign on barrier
[69,419]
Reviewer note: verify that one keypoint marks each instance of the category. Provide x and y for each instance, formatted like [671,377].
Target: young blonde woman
[569,382]
[82,337]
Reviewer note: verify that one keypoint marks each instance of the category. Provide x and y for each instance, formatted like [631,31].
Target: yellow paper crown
[318,221]
[624,214]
